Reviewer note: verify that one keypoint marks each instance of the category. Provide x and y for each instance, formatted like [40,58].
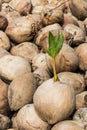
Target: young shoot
[55,45]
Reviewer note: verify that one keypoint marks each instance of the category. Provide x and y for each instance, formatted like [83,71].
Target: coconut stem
[54,70]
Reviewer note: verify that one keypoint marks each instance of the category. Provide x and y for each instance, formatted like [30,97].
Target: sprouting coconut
[54,100]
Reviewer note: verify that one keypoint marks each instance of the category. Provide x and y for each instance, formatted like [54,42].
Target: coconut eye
[45,14]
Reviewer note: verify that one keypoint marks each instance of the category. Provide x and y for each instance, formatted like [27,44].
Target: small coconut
[38,9]
[51,15]
[41,60]
[21,90]
[41,38]
[4,122]
[41,75]
[74,79]
[79,10]
[26,50]
[66,60]
[77,32]
[69,19]
[67,125]
[81,100]
[4,41]
[23,7]
[30,120]
[12,66]
[81,116]
[81,51]
[54,101]
[3,98]
[60,4]
[27,26]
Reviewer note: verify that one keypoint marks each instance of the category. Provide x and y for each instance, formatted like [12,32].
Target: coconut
[54,101]
[21,90]
[30,120]
[12,66]
[67,125]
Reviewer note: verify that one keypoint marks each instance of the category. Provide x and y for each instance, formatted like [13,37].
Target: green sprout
[55,45]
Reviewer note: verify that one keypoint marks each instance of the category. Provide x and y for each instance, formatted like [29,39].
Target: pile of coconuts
[29,97]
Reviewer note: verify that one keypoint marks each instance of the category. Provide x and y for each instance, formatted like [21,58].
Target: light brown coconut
[74,79]
[81,116]
[4,107]
[4,41]
[66,60]
[81,51]
[79,10]
[37,9]
[69,19]
[41,75]
[23,7]
[51,15]
[42,61]
[4,122]
[54,101]
[60,4]
[28,119]
[41,38]
[67,125]
[12,66]
[81,100]
[9,13]
[26,50]
[21,90]
[77,33]
[27,26]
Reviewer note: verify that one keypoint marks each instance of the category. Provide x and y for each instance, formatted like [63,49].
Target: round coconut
[21,90]
[4,122]
[81,116]
[3,98]
[42,61]
[66,60]
[27,26]
[77,33]
[12,66]
[41,75]
[81,51]
[74,79]
[79,10]
[67,125]
[30,120]
[26,50]
[23,7]
[4,41]
[51,15]
[81,100]
[54,101]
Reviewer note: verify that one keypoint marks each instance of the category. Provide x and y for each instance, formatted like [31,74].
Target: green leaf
[59,39]
[51,41]
[55,44]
